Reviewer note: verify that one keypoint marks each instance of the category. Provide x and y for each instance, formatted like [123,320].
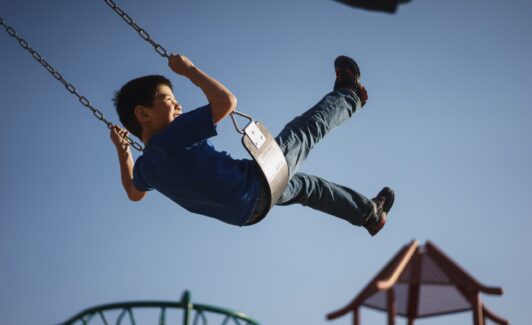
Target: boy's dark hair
[139,91]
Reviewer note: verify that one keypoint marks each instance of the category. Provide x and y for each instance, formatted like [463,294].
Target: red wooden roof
[421,281]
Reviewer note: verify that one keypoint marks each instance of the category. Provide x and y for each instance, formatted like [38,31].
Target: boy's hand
[119,137]
[180,64]
[125,159]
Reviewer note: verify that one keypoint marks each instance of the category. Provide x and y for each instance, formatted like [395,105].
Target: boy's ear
[141,113]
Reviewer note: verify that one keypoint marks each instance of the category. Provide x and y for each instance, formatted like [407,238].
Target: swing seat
[261,145]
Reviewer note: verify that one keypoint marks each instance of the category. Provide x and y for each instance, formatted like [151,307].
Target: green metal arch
[193,314]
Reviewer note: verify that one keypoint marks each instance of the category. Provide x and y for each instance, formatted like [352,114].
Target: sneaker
[347,76]
[347,73]
[382,204]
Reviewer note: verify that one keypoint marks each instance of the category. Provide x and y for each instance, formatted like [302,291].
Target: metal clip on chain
[57,75]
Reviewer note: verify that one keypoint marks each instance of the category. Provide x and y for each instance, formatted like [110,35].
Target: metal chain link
[144,34]
[57,75]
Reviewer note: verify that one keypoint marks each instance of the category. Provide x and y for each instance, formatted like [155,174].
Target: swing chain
[144,34]
[161,50]
[57,75]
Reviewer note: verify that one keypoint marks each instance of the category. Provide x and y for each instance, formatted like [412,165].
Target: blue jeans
[299,137]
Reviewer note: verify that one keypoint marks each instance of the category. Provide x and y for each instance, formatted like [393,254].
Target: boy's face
[165,108]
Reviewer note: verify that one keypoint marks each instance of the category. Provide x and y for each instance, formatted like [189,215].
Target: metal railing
[191,314]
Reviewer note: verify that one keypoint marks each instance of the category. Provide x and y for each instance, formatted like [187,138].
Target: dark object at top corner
[389,6]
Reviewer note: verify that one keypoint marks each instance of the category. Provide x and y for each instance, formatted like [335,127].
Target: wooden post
[414,288]
[356,316]
[391,306]
[478,315]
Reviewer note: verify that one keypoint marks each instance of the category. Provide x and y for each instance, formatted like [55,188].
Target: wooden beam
[456,273]
[491,316]
[386,284]
[372,286]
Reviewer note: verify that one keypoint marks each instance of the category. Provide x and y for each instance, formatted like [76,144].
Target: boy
[182,164]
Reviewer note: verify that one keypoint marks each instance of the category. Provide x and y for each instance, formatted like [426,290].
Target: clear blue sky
[447,125]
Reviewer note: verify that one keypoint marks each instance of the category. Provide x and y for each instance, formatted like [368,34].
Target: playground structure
[419,282]
[164,312]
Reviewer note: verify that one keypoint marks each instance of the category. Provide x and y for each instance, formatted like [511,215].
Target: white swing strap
[261,145]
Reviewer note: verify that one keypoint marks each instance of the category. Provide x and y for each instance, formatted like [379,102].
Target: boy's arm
[125,159]
[222,101]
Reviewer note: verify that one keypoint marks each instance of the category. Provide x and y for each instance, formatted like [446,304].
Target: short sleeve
[137,178]
[189,128]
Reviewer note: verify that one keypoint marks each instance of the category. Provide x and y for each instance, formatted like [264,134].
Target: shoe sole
[389,196]
[348,62]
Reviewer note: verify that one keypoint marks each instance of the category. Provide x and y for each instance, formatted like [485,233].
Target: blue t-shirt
[183,165]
